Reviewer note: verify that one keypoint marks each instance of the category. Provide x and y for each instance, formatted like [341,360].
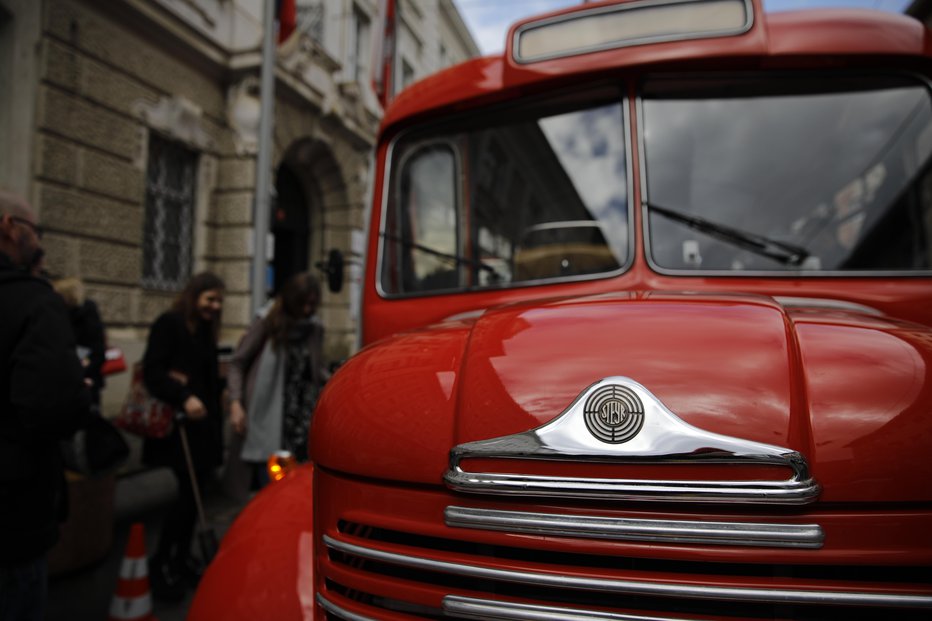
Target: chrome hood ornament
[617,421]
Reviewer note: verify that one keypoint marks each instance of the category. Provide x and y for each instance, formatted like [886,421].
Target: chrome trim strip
[630,490]
[339,611]
[664,438]
[559,579]
[472,608]
[809,536]
[826,303]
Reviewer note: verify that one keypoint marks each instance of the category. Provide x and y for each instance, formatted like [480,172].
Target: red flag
[383,75]
[286,16]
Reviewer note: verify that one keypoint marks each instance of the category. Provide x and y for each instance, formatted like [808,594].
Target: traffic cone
[132,600]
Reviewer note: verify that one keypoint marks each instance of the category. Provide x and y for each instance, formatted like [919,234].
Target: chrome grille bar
[632,587]
[750,492]
[339,611]
[808,536]
[472,608]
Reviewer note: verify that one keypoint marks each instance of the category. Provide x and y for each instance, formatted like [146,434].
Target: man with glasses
[43,399]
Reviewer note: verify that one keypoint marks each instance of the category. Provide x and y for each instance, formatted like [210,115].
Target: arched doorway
[291,227]
[314,214]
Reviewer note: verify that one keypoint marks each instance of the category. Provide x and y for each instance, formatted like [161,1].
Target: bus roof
[781,35]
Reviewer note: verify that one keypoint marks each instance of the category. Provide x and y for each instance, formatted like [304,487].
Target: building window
[167,234]
[359,46]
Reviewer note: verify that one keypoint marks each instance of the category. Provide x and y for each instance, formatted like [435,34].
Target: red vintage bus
[648,327]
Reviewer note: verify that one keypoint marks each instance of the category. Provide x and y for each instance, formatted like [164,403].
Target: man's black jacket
[43,399]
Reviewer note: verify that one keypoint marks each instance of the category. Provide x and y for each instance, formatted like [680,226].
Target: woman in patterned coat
[275,376]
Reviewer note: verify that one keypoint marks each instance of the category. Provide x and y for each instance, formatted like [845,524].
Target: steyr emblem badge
[614,414]
[619,423]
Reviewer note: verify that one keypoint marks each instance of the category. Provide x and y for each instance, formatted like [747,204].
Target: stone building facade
[131,126]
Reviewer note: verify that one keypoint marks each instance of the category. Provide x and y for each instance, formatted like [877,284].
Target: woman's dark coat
[172,347]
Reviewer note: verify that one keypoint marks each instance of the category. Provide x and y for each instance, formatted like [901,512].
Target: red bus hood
[848,389]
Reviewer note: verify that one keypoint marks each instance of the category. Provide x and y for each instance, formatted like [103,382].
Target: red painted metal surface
[869,387]
[397,395]
[264,568]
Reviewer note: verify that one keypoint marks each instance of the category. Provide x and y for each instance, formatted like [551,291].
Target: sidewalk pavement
[139,496]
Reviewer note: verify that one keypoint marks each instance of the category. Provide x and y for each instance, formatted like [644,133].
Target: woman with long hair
[180,368]
[275,376]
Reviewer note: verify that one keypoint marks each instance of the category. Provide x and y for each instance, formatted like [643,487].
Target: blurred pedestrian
[180,368]
[43,399]
[274,379]
[88,332]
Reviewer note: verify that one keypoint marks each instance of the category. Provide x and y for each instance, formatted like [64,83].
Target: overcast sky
[488,20]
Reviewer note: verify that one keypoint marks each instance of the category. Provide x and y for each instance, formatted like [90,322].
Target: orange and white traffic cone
[132,600]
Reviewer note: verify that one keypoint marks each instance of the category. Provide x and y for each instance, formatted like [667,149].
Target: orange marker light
[280,464]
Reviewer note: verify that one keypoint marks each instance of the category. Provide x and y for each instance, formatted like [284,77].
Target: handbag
[114,361]
[142,414]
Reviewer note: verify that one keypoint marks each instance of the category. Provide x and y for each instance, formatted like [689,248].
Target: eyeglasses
[38,230]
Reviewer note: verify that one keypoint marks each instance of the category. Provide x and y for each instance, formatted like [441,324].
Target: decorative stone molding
[351,91]
[301,51]
[307,62]
[176,117]
[243,111]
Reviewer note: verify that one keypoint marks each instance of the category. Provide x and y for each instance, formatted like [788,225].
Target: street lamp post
[262,197]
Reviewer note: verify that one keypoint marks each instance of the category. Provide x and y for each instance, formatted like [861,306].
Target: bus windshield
[788,174]
[811,175]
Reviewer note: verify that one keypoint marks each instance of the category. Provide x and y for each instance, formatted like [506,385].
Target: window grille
[169,216]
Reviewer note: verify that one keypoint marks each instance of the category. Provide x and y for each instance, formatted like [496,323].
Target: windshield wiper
[781,252]
[443,255]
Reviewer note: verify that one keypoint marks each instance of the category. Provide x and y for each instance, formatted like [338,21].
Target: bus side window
[421,237]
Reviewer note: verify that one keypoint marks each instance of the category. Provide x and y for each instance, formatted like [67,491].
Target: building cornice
[146,15]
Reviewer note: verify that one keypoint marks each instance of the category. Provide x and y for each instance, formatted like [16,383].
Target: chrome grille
[481,581]
[404,552]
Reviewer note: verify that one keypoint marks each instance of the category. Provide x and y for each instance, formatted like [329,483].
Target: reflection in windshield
[531,200]
[842,173]
[591,148]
